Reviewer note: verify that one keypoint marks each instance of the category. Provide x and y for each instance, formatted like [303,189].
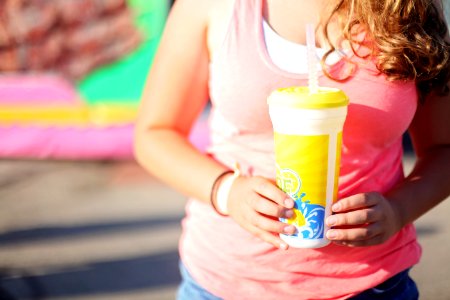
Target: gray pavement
[108,230]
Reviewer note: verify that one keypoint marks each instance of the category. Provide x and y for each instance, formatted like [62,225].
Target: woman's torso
[232,263]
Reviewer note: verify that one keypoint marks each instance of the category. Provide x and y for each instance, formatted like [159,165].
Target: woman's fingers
[269,208]
[270,225]
[268,190]
[269,237]
[256,204]
[356,217]
[357,201]
[358,234]
[363,220]
[363,243]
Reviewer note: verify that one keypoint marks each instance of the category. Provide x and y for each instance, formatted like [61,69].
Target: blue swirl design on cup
[314,215]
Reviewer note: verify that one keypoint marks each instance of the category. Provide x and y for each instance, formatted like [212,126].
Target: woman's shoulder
[196,16]
[207,8]
[200,20]
[219,18]
[211,13]
[220,10]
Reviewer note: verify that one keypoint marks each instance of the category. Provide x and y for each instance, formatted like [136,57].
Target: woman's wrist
[221,188]
[215,187]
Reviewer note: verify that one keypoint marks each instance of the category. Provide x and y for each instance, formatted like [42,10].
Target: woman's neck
[288,18]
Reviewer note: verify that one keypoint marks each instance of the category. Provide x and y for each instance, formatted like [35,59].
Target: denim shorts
[189,289]
[398,287]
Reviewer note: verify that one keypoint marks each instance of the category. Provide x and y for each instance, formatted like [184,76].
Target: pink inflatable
[43,117]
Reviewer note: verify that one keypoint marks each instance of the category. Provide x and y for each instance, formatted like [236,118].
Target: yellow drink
[308,138]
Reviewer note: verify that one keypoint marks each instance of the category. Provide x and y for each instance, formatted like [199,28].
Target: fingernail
[283,246]
[331,220]
[289,214]
[289,229]
[331,234]
[289,203]
[336,207]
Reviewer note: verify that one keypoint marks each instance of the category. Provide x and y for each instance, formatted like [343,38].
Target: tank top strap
[243,26]
[247,13]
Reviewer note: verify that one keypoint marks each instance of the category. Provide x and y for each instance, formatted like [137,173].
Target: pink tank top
[232,263]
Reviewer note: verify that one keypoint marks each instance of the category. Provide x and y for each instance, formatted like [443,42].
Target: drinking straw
[313,81]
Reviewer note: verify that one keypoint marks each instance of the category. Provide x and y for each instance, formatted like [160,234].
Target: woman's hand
[255,204]
[363,220]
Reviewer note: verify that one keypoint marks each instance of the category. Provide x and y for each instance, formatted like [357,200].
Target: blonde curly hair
[407,38]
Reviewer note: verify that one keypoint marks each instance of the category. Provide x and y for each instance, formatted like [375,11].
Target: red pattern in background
[71,37]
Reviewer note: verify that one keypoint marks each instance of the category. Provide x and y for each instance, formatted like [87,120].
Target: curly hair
[407,38]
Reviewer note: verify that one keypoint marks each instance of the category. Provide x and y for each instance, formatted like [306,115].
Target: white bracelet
[223,191]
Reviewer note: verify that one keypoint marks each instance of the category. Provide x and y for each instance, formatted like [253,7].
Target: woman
[385,55]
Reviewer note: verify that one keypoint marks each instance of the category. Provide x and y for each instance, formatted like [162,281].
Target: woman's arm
[430,178]
[176,93]
[374,218]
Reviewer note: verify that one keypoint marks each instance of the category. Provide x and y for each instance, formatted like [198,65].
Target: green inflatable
[122,82]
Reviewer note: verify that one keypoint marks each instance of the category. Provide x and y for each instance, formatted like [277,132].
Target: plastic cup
[308,137]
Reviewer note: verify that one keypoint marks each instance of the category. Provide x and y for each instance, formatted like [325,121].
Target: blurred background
[79,219]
